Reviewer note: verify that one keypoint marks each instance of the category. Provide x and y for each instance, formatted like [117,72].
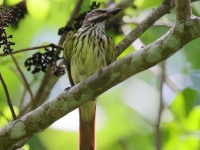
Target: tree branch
[22,76]
[158,136]
[32,48]
[98,83]
[143,26]
[183,10]
[8,98]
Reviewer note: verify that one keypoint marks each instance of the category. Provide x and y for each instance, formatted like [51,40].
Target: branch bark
[183,11]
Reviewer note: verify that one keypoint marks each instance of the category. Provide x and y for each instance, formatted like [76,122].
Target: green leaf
[171,132]
[192,122]
[66,140]
[147,4]
[153,34]
[13,84]
[188,143]
[126,124]
[184,102]
[11,2]
[38,9]
[191,50]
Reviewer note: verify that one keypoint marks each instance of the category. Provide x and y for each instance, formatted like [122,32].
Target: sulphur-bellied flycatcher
[86,52]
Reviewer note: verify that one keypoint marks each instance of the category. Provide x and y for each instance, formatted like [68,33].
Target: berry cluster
[39,61]
[8,18]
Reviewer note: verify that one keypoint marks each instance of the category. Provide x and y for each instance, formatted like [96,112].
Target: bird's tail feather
[87,131]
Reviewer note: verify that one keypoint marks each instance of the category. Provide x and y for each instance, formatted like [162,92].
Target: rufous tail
[87,131]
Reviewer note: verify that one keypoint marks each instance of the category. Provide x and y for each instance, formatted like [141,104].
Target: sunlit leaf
[13,84]
[6,115]
[184,102]
[11,2]
[38,9]
[191,50]
[192,122]
[65,140]
[146,4]
[153,33]
[171,132]
[188,143]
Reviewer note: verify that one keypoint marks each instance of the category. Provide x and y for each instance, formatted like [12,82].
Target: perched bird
[86,52]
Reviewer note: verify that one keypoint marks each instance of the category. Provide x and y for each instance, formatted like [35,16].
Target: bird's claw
[67,89]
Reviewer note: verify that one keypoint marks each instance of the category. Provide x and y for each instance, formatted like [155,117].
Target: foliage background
[127,115]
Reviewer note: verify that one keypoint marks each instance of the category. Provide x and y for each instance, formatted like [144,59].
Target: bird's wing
[67,53]
[110,57]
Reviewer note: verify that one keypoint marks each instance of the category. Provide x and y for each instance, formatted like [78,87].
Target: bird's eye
[95,14]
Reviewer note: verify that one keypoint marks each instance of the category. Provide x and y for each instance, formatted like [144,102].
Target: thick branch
[143,26]
[98,83]
[183,10]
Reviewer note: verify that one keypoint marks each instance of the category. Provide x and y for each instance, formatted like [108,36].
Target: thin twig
[158,135]
[22,98]
[8,98]
[157,71]
[24,93]
[172,85]
[33,48]
[23,76]
[157,23]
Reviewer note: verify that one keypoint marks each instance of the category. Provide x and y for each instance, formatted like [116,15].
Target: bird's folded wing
[67,53]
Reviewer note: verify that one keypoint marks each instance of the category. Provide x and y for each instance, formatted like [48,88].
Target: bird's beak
[105,16]
[112,13]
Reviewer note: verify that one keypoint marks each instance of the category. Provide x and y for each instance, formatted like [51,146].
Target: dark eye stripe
[98,11]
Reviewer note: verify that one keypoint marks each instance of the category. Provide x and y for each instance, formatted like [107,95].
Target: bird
[86,52]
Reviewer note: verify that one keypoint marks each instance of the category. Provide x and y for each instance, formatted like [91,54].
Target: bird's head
[100,15]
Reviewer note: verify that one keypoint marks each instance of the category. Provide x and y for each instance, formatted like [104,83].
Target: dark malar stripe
[98,52]
[83,38]
[75,46]
[86,29]
[90,34]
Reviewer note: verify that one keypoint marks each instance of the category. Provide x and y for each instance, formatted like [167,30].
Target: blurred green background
[127,115]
